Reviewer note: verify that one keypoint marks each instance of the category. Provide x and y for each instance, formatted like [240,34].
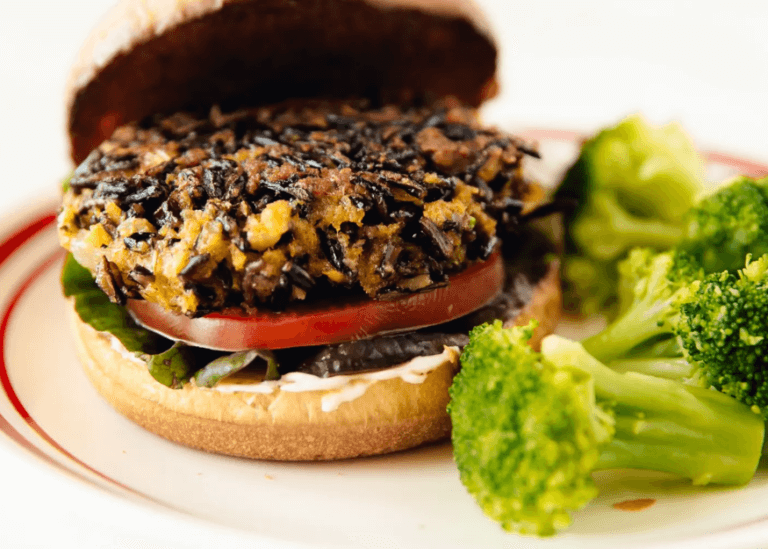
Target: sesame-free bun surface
[391,415]
[162,56]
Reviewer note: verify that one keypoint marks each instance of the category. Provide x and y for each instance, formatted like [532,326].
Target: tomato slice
[334,323]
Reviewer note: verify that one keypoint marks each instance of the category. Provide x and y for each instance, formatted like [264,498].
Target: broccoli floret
[634,183]
[526,436]
[529,428]
[722,229]
[639,186]
[729,224]
[649,173]
[720,338]
[610,230]
[660,284]
[723,330]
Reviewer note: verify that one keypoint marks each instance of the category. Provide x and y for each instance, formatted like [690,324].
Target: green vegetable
[721,230]
[273,368]
[529,428]
[65,183]
[94,308]
[172,368]
[661,357]
[660,283]
[677,368]
[708,330]
[634,183]
[218,369]
[636,267]
[171,364]
[722,331]
[729,224]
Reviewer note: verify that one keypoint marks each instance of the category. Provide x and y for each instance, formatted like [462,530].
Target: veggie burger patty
[262,207]
[292,272]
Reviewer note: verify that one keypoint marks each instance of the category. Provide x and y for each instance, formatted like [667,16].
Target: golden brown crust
[391,415]
[155,56]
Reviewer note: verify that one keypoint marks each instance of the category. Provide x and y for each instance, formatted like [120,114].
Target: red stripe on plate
[6,318]
[745,167]
[750,168]
[16,240]
[7,248]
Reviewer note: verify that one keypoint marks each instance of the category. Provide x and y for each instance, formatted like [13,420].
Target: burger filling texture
[260,209]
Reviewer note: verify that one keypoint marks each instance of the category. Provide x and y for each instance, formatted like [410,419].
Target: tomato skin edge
[465,292]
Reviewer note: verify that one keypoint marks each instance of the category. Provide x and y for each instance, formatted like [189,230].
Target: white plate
[175,495]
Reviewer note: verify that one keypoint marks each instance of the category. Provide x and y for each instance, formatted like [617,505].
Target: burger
[286,218]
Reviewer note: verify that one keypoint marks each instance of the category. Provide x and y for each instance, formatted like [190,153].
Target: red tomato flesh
[304,325]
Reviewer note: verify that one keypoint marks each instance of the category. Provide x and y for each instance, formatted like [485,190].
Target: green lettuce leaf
[171,364]
[94,308]
[65,183]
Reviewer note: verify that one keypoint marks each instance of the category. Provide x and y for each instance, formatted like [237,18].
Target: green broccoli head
[634,183]
[526,434]
[723,331]
[649,172]
[728,224]
[529,428]
[647,274]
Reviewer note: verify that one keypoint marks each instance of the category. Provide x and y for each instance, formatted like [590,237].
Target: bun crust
[391,415]
[161,56]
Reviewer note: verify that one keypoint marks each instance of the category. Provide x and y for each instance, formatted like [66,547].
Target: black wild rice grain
[358,181]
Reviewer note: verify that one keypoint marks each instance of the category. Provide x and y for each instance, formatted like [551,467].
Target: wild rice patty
[262,207]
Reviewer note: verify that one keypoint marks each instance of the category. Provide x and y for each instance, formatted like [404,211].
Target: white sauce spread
[122,351]
[342,388]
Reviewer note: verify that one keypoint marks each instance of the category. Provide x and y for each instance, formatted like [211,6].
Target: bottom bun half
[391,414]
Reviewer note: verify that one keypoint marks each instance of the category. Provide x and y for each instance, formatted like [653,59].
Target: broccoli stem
[608,230]
[677,369]
[668,347]
[631,329]
[663,425]
[636,231]
[637,325]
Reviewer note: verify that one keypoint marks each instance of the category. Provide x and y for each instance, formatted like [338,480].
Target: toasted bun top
[160,56]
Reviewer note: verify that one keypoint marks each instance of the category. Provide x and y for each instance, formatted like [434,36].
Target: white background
[571,65]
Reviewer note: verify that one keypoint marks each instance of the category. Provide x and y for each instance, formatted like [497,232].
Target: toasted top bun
[162,56]
[393,413]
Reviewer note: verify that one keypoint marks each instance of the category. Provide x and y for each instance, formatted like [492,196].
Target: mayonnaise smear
[341,388]
[344,388]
